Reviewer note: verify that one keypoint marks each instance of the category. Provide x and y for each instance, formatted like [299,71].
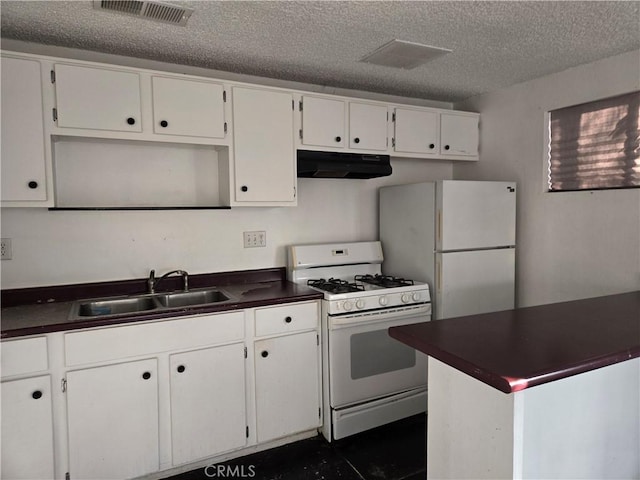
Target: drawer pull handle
[32,184]
[146,375]
[37,394]
[264,354]
[338,139]
[164,123]
[181,368]
[131,121]
[287,319]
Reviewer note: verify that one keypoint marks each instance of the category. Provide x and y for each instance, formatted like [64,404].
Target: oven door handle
[357,319]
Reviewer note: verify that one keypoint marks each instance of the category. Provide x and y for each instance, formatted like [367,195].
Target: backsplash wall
[65,247]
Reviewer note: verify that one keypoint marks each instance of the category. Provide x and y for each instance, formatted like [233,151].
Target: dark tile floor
[392,452]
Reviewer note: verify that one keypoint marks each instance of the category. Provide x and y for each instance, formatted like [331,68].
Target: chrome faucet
[152,282]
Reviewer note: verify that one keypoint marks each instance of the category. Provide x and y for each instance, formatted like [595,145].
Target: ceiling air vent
[402,54]
[161,12]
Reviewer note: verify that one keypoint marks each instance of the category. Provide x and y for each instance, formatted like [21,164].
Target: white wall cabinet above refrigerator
[429,133]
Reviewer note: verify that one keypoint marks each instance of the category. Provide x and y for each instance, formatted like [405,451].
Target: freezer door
[474,214]
[474,282]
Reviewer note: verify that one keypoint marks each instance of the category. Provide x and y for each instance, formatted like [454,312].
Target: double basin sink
[133,304]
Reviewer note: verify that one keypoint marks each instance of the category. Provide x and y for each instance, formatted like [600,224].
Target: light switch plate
[5,249]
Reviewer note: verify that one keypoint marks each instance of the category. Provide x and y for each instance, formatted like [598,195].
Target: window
[595,145]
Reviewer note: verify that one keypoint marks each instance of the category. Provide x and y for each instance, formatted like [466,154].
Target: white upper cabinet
[432,133]
[459,134]
[323,122]
[337,124]
[188,108]
[97,98]
[264,155]
[368,126]
[416,131]
[23,148]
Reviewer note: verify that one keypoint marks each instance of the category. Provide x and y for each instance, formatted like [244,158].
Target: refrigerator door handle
[439,230]
[438,277]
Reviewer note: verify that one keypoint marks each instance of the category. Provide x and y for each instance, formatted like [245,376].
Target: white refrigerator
[458,236]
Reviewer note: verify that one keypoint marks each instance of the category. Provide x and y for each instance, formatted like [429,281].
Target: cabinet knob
[181,368]
[131,121]
[338,139]
[447,147]
[244,188]
[356,140]
[36,395]
[432,146]
[287,319]
[264,354]
[146,375]
[32,184]
[164,124]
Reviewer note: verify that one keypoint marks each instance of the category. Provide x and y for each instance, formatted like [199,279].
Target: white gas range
[369,378]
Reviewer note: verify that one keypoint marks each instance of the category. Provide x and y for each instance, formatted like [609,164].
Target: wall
[64,247]
[574,244]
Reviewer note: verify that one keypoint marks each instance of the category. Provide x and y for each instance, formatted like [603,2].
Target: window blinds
[595,145]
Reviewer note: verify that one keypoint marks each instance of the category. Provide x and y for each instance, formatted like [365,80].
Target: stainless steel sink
[195,297]
[115,306]
[101,307]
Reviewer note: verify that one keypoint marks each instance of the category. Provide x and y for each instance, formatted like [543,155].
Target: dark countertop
[517,349]
[49,308]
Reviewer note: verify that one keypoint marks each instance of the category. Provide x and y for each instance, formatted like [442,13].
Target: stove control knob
[406,298]
[347,305]
[416,296]
[360,304]
[383,300]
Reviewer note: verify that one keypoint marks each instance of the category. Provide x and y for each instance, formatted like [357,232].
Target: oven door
[366,363]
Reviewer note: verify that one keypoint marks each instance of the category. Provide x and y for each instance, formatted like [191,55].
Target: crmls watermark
[230,471]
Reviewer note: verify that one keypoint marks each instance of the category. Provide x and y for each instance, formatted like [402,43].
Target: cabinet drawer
[24,356]
[143,339]
[286,318]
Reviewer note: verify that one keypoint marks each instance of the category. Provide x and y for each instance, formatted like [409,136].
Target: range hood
[313,164]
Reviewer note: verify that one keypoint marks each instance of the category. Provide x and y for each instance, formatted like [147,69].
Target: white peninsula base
[582,427]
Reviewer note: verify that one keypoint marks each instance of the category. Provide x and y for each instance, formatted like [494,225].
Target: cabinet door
[97,98]
[416,131]
[186,107]
[113,420]
[27,429]
[459,134]
[23,154]
[287,385]
[263,143]
[367,126]
[323,122]
[208,410]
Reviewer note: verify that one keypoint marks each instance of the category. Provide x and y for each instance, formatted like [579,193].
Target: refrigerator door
[474,282]
[473,215]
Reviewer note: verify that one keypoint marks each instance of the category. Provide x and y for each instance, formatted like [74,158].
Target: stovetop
[359,283]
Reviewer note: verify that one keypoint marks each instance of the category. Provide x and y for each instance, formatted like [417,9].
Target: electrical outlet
[255,239]
[5,249]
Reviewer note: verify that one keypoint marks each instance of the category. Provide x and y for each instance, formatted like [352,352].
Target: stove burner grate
[386,281]
[335,285]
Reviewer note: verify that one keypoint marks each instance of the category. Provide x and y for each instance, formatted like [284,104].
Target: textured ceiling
[495,44]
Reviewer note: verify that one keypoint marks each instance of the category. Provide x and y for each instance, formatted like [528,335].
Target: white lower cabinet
[113,420]
[287,385]
[27,429]
[208,408]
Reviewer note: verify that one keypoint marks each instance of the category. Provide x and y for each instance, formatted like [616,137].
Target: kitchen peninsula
[551,391]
